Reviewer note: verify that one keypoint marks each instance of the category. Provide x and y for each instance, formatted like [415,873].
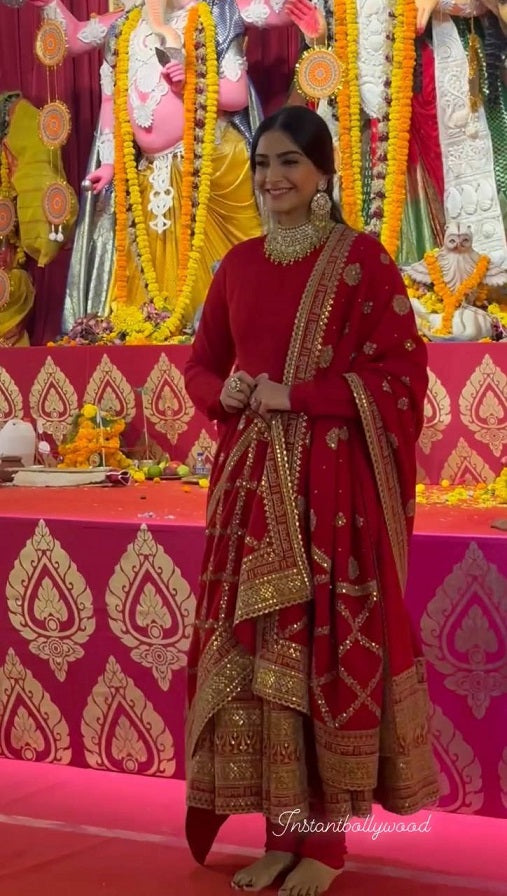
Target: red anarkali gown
[305,687]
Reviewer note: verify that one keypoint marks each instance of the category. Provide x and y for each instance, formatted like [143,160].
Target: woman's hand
[236,392]
[269,396]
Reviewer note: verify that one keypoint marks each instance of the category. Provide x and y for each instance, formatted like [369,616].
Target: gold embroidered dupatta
[262,717]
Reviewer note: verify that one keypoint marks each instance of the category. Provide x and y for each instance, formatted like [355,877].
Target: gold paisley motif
[502,771]
[11,401]
[464,465]
[49,602]
[437,413]
[151,607]
[31,726]
[166,401]
[121,730]
[204,444]
[483,405]
[460,773]
[110,391]
[464,631]
[53,400]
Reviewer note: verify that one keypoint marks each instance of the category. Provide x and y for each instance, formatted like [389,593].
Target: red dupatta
[302,650]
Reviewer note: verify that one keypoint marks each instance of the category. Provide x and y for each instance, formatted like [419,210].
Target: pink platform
[100,585]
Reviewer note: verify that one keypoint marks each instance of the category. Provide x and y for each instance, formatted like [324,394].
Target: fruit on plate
[153,472]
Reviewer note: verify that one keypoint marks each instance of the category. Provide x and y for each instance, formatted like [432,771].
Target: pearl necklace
[284,245]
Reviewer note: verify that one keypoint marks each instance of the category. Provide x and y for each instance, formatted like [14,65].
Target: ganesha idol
[169,185]
[452,289]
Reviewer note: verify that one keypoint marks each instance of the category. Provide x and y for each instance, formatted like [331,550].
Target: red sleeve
[213,352]
[328,395]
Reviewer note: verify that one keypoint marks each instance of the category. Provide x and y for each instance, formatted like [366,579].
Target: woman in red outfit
[307,700]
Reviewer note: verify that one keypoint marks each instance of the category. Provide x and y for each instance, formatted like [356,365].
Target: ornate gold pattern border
[385,473]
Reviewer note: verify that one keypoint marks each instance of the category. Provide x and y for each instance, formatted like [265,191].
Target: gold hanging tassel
[474,89]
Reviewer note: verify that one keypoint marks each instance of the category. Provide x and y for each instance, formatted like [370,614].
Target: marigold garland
[187,182]
[404,58]
[94,440]
[389,208]
[452,299]
[201,111]
[123,150]
[349,113]
[5,181]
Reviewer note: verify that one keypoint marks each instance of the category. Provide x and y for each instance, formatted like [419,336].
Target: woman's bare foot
[262,873]
[309,878]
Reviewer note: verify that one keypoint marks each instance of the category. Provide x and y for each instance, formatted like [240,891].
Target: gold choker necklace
[283,245]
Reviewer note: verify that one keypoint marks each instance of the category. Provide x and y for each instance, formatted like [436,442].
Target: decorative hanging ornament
[57,205]
[319,74]
[5,288]
[54,124]
[7,216]
[50,43]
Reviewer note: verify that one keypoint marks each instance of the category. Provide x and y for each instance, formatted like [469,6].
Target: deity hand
[308,19]
[101,177]
[425,8]
[174,73]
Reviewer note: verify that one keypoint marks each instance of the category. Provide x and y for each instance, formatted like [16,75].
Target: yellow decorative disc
[56,203]
[54,124]
[5,288]
[50,44]
[318,74]
[7,216]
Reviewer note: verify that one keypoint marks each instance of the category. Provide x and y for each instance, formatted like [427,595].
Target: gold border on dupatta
[386,474]
[306,343]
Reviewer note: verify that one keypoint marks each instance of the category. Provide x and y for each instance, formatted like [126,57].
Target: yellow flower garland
[196,176]
[452,299]
[93,443]
[399,122]
[349,113]
[5,182]
[124,155]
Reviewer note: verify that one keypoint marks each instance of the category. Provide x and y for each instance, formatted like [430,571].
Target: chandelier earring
[320,208]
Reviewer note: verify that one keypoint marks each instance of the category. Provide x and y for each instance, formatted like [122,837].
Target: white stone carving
[467,153]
